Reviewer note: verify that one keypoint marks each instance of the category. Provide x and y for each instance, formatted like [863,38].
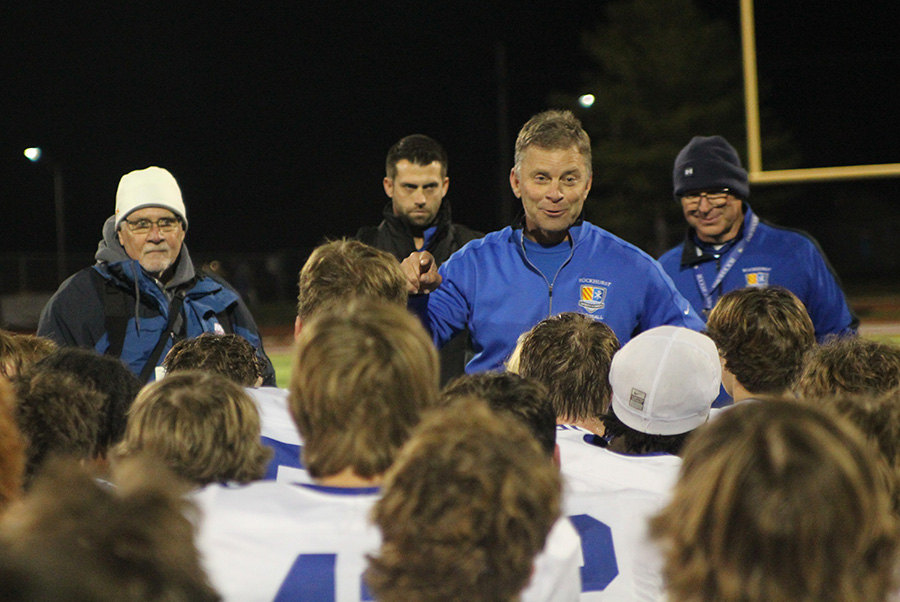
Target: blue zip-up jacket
[774,256]
[492,288]
[76,315]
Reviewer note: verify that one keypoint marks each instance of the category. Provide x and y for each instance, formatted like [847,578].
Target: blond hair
[362,374]
[19,351]
[202,425]
[340,270]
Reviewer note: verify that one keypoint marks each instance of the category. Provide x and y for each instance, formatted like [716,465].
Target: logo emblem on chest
[592,297]
[756,276]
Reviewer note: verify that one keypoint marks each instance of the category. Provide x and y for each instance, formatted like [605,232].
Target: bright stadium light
[586,100]
[33,154]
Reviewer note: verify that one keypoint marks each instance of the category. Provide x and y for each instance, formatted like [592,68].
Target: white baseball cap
[664,380]
[151,187]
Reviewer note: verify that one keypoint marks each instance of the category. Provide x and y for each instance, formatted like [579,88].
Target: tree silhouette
[663,73]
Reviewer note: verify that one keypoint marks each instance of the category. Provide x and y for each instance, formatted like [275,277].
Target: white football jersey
[557,569]
[609,497]
[274,541]
[280,434]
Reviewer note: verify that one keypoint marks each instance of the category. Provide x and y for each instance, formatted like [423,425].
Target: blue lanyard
[730,259]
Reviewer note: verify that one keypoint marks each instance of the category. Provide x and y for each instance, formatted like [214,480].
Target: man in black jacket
[418,218]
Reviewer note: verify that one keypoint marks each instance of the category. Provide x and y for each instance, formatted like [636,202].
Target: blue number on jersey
[311,579]
[285,455]
[311,575]
[600,566]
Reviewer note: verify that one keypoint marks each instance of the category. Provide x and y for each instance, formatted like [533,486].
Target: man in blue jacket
[552,261]
[727,246]
[143,293]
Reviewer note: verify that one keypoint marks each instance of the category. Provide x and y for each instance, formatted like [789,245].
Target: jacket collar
[397,225]
[518,227]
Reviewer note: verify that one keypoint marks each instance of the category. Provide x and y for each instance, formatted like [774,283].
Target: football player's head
[72,537]
[340,270]
[779,501]
[526,399]
[466,507]
[570,354]
[362,374]
[205,428]
[849,365]
[762,335]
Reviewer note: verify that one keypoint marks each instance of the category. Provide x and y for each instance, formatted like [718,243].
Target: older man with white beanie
[144,293]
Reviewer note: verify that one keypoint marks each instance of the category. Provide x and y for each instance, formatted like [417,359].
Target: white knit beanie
[151,187]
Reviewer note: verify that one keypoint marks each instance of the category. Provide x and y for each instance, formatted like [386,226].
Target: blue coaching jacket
[77,314]
[492,288]
[773,256]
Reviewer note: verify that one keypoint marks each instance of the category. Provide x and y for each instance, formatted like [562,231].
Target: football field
[281,359]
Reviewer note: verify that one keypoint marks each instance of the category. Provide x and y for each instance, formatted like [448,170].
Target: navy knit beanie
[707,163]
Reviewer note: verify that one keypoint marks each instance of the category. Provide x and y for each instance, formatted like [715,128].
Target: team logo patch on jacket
[757,276]
[592,297]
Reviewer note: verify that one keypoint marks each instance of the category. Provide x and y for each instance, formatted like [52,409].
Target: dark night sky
[275,120]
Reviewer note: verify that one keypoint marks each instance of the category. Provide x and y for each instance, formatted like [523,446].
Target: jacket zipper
[547,282]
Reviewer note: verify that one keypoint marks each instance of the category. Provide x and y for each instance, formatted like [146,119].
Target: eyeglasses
[143,225]
[716,198]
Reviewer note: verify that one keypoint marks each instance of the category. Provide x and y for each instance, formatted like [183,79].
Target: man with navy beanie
[728,247]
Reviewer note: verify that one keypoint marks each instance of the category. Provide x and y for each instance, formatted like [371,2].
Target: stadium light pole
[36,155]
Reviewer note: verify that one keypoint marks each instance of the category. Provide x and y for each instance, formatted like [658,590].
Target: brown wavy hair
[779,501]
[228,355]
[570,354]
[849,365]
[466,508]
[763,334]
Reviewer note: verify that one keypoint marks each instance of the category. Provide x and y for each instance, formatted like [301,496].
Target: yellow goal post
[754,147]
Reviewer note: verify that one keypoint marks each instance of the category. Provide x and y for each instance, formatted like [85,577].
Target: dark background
[275,118]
